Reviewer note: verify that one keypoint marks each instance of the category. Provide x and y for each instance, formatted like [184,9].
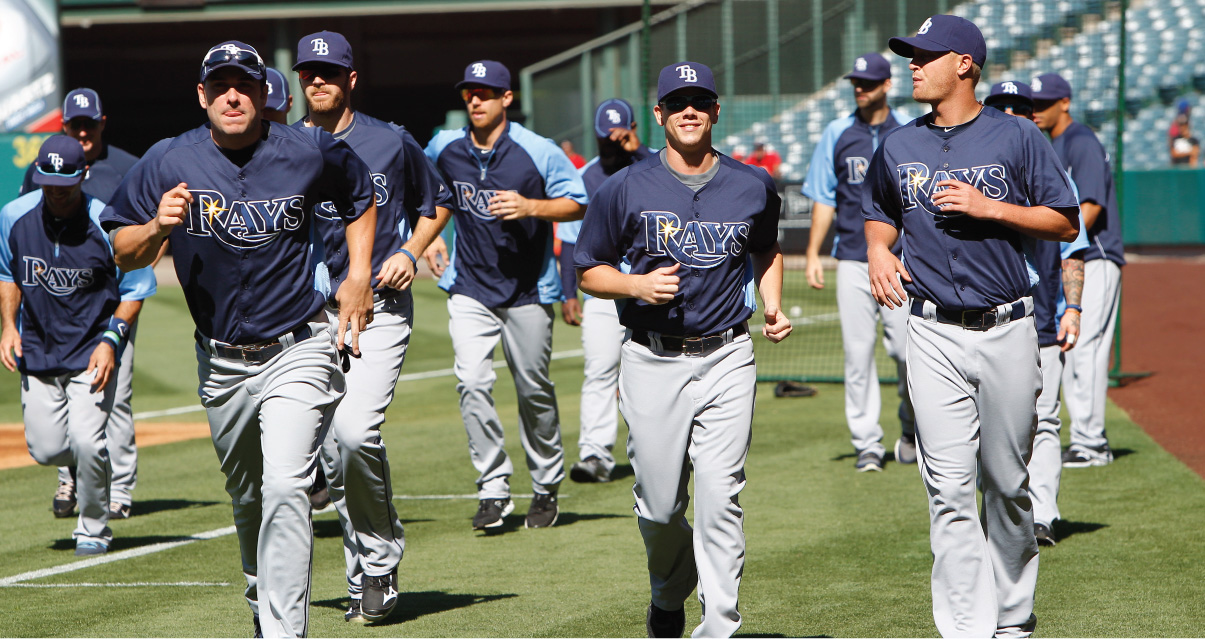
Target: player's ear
[100,127]
[201,95]
[289,105]
[659,115]
[507,99]
[715,117]
[351,80]
[1065,105]
[887,84]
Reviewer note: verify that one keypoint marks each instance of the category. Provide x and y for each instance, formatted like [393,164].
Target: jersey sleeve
[568,273]
[424,188]
[1089,168]
[1045,180]
[821,182]
[880,192]
[602,227]
[137,198]
[1080,243]
[346,178]
[136,285]
[764,233]
[561,178]
[8,217]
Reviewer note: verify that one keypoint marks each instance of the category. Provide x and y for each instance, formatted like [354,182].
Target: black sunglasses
[243,57]
[866,85]
[676,103]
[1018,108]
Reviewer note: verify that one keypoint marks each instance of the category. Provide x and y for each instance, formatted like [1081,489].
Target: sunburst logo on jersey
[667,230]
[916,181]
[210,208]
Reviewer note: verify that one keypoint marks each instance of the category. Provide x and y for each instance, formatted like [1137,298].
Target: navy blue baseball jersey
[503,263]
[405,186]
[956,261]
[644,216]
[243,254]
[836,175]
[102,177]
[1085,160]
[69,283]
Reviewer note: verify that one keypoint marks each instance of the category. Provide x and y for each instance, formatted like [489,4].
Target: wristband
[409,255]
[116,333]
[1076,308]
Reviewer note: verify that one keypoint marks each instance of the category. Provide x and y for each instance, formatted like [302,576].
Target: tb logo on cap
[860,64]
[56,160]
[320,46]
[1036,85]
[478,70]
[924,28]
[614,117]
[81,100]
[687,73]
[1008,87]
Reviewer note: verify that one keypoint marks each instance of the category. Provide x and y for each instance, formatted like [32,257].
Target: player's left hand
[960,197]
[508,205]
[397,272]
[437,256]
[101,361]
[777,326]
[355,307]
[1069,329]
[626,138]
[571,311]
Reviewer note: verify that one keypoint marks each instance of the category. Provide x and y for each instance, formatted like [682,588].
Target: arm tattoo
[1073,280]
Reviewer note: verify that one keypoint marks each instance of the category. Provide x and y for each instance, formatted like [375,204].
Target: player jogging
[966,184]
[407,194]
[696,228]
[235,197]
[602,334]
[509,184]
[834,184]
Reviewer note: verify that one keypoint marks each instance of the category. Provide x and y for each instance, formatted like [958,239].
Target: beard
[333,104]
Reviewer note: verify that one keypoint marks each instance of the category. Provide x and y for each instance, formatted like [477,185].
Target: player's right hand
[815,272]
[437,256]
[173,209]
[571,311]
[658,286]
[886,270]
[102,361]
[10,348]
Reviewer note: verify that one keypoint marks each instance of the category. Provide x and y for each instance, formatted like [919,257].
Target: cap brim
[865,75]
[677,89]
[904,47]
[1049,96]
[91,116]
[41,179]
[465,83]
[302,63]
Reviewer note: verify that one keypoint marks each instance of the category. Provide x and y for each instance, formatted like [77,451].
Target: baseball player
[679,238]
[235,196]
[84,120]
[279,100]
[509,184]
[834,183]
[66,314]
[1086,376]
[407,192]
[602,335]
[967,184]
[1060,269]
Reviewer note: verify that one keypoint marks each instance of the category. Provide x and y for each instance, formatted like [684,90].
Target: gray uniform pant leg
[1086,375]
[526,334]
[353,453]
[65,426]
[1046,464]
[119,432]
[267,422]
[683,413]
[975,395]
[602,336]
[895,341]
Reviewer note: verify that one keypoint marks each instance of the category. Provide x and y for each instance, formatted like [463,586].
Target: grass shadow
[1118,453]
[151,506]
[330,528]
[412,605]
[1064,528]
[123,543]
[844,456]
[568,519]
[770,634]
[622,471]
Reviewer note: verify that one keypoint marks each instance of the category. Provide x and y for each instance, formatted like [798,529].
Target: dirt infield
[13,453]
[1163,306]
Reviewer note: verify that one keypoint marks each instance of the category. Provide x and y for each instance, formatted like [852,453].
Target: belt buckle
[255,348]
[692,345]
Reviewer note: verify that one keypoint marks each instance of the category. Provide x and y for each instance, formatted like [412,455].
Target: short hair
[976,73]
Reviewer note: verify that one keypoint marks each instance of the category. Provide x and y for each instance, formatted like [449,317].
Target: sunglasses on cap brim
[75,174]
[309,72]
[676,103]
[225,55]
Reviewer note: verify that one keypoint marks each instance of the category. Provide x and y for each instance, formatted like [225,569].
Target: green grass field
[830,551]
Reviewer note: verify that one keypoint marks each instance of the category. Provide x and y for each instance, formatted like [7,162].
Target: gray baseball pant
[602,336]
[683,413]
[1086,375]
[1046,464]
[267,421]
[975,395]
[353,453]
[65,426]
[526,334]
[859,314]
[119,432]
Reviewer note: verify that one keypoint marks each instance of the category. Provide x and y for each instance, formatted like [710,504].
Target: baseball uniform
[502,282]
[687,374]
[267,360]
[835,179]
[974,370]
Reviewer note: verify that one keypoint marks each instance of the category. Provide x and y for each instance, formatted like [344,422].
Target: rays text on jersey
[918,183]
[58,281]
[243,223]
[695,243]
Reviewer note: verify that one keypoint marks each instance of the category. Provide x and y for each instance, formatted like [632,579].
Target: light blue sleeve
[568,231]
[1080,243]
[561,178]
[8,217]
[821,182]
[133,286]
[440,141]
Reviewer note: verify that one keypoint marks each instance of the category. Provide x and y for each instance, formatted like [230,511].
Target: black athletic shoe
[590,470]
[665,623]
[380,596]
[1081,457]
[320,496]
[259,633]
[490,513]
[64,501]
[543,511]
[353,612]
[1044,535]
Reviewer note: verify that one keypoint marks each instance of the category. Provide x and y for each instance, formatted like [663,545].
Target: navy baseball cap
[82,103]
[278,91]
[233,53]
[325,46]
[683,75]
[487,73]
[1050,86]
[1009,91]
[944,33]
[612,113]
[60,162]
[870,66]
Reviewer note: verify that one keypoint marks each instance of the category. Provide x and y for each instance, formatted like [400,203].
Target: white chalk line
[473,496]
[138,584]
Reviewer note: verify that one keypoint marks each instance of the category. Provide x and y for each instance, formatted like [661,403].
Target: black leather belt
[974,319]
[701,345]
[255,353]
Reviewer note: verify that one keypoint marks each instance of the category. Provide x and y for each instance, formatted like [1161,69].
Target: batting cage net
[778,67]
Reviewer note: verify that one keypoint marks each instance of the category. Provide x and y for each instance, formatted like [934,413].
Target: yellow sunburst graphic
[668,230]
[210,209]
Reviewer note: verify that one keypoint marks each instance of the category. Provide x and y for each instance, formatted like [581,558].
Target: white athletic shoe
[868,460]
[1084,457]
[905,449]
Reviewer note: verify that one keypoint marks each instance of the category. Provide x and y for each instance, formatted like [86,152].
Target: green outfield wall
[1162,207]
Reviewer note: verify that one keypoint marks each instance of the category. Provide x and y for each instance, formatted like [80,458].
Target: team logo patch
[477,202]
[695,244]
[860,64]
[81,100]
[685,72]
[924,28]
[478,70]
[856,169]
[918,184]
[1036,85]
[56,160]
[1008,87]
[243,224]
[57,281]
[613,116]
[320,46]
